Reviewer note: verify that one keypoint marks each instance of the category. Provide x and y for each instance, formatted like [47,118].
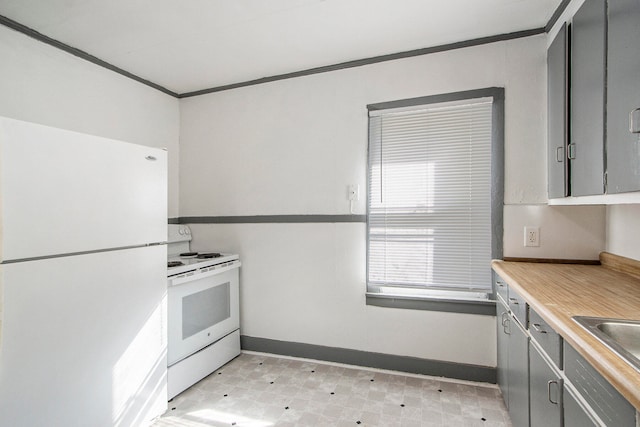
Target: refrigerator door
[65,192]
[84,340]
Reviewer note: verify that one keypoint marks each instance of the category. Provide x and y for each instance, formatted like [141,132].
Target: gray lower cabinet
[518,374]
[502,315]
[623,97]
[587,99]
[513,365]
[500,287]
[575,414]
[544,381]
[545,391]
[601,397]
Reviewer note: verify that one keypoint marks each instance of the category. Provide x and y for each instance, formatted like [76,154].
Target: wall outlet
[353,192]
[531,236]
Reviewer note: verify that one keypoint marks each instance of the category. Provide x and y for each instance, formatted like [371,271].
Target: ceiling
[190,45]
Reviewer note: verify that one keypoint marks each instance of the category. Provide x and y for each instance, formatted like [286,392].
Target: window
[434,217]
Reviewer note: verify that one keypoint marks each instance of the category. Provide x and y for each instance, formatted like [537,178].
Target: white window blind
[429,212]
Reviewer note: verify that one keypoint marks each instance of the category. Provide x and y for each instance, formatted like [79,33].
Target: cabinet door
[575,415]
[502,317]
[586,150]
[545,392]
[518,375]
[605,401]
[557,93]
[623,97]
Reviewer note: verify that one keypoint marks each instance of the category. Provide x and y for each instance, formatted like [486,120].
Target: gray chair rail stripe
[267,219]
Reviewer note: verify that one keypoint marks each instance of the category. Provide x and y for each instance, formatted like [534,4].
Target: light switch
[353,192]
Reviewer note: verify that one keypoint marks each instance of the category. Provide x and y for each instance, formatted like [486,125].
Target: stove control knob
[187,231]
[181,231]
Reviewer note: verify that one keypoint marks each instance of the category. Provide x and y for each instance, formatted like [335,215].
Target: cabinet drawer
[546,337]
[518,307]
[500,287]
[605,401]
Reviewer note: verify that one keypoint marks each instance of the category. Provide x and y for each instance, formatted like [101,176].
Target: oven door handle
[209,271]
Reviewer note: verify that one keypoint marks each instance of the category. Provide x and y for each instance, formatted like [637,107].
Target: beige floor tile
[263,391]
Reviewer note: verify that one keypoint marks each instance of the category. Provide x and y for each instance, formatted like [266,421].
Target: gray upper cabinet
[587,99]
[623,97]
[557,95]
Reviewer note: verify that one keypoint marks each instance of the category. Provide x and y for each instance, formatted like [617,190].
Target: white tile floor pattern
[261,390]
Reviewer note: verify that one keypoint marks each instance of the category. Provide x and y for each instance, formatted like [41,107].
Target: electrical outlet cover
[532,236]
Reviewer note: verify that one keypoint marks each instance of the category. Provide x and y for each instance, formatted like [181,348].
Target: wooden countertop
[559,291]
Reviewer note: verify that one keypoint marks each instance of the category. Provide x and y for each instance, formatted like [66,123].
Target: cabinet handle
[572,151]
[501,284]
[505,318]
[549,390]
[514,301]
[560,154]
[634,121]
[506,324]
[537,328]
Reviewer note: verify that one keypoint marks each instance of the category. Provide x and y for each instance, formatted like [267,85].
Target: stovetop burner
[199,255]
[174,263]
[209,255]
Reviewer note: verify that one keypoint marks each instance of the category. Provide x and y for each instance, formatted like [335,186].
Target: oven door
[202,308]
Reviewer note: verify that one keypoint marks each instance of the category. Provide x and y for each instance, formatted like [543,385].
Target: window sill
[450,305]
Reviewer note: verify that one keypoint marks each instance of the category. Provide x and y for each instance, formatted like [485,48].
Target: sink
[621,336]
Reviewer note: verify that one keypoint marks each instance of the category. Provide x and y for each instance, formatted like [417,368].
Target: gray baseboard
[392,362]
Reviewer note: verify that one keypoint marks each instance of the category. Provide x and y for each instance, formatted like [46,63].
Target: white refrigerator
[83,229]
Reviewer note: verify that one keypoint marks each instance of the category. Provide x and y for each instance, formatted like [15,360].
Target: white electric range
[203,310]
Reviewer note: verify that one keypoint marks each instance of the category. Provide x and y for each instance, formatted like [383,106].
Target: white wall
[566,232]
[45,85]
[293,146]
[623,230]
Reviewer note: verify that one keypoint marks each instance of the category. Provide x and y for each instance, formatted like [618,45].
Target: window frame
[475,306]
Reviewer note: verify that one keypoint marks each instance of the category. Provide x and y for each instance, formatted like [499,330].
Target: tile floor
[262,390]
